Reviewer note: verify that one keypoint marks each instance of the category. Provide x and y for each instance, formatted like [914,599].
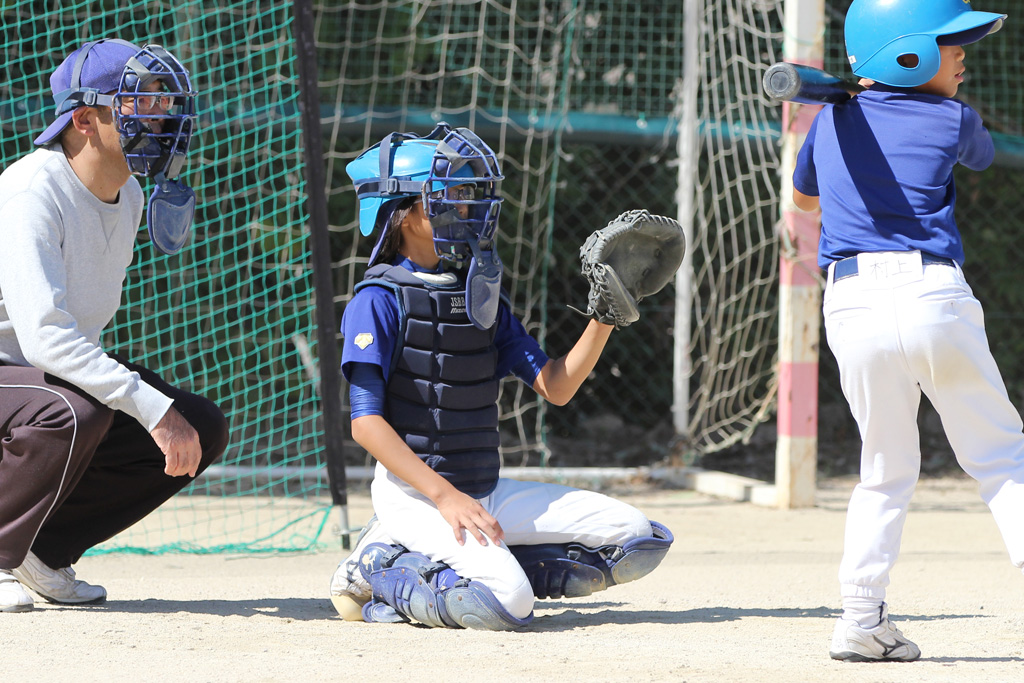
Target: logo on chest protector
[458,304]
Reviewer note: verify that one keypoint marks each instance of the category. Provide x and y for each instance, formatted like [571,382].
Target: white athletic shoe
[13,597]
[57,585]
[882,642]
[349,590]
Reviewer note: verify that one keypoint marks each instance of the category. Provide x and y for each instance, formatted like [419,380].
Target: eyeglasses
[460,193]
[148,104]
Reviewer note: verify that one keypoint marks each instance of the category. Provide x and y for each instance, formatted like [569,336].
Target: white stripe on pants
[528,512]
[897,329]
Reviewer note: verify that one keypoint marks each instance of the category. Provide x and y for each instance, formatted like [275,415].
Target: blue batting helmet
[430,168]
[896,42]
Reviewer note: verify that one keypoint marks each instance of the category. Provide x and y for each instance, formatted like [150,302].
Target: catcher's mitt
[634,256]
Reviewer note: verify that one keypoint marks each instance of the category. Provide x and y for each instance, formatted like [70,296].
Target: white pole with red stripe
[796,455]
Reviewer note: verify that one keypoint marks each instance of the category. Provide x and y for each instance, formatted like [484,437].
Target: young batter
[426,346]
[899,315]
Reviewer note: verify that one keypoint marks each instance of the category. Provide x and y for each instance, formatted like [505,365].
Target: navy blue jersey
[882,165]
[370,327]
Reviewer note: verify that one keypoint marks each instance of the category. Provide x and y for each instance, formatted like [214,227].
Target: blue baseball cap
[84,78]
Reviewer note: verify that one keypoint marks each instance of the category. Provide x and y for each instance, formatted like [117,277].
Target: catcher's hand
[634,256]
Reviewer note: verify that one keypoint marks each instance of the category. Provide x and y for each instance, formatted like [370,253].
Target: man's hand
[179,443]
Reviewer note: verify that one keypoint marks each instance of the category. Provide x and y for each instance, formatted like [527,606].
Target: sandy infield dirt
[746,594]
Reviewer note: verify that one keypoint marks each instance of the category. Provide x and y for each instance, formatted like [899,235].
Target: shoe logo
[887,648]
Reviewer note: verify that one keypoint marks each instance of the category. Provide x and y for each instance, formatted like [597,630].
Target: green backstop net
[583,100]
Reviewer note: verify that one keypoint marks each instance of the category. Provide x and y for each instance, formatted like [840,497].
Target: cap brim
[54,129]
[969,27]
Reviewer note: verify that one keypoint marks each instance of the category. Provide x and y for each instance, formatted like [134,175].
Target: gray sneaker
[882,642]
[13,597]
[57,585]
[349,590]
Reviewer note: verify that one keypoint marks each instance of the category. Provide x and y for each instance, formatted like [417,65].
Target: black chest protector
[442,391]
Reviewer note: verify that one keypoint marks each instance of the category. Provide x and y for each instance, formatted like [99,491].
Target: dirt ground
[745,594]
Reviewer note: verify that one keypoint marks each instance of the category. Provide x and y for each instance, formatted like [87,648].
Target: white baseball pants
[898,328]
[528,512]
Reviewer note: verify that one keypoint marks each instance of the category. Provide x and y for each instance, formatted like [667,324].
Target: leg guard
[409,587]
[571,570]
[407,583]
[472,605]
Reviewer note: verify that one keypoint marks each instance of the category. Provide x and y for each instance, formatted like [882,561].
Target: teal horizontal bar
[31,114]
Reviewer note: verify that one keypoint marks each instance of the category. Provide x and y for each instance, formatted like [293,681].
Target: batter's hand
[465,512]
[179,443]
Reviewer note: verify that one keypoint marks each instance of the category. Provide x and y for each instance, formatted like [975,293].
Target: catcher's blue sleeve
[518,352]
[366,391]
[370,327]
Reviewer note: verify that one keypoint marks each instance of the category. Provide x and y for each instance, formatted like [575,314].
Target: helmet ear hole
[908,60]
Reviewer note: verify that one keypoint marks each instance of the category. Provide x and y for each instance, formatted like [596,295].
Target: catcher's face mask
[155,111]
[461,199]
[460,196]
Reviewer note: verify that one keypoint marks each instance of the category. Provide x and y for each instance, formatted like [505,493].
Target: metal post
[796,455]
[330,377]
[688,149]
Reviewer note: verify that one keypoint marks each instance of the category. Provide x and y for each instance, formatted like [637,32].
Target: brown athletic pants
[74,473]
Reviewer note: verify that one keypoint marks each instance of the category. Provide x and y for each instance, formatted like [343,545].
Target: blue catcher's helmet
[881,32]
[430,168]
[160,150]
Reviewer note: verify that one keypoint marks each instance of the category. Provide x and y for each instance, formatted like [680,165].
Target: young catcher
[89,442]
[899,314]
[428,337]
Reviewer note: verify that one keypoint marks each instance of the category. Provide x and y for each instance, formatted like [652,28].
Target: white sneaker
[349,590]
[882,642]
[13,597]
[57,585]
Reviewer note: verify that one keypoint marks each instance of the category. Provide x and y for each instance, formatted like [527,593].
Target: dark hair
[391,242]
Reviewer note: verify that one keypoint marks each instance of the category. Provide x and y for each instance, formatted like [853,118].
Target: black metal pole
[330,375]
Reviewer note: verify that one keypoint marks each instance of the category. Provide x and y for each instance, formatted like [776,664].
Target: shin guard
[571,570]
[407,583]
[409,587]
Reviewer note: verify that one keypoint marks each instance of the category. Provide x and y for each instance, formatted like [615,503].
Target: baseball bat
[807,85]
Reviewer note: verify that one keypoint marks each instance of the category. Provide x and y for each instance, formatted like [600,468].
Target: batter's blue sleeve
[976,148]
[370,329]
[805,177]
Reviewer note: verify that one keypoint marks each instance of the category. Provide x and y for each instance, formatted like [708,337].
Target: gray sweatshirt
[63,260]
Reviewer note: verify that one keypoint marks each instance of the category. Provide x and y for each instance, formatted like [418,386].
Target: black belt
[847,267]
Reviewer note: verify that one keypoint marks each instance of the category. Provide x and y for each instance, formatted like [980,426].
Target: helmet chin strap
[483,286]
